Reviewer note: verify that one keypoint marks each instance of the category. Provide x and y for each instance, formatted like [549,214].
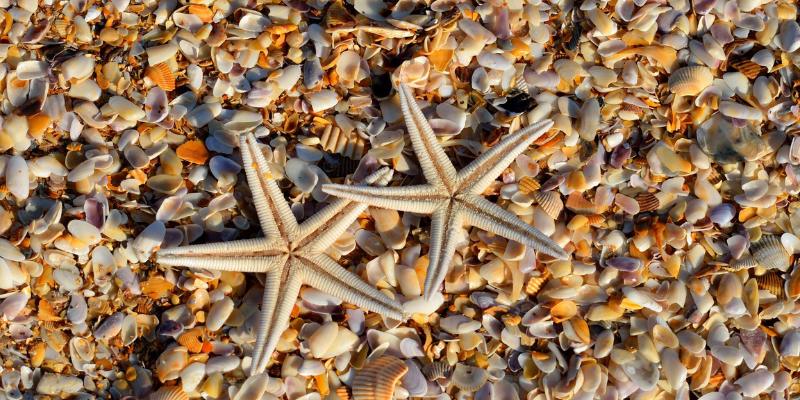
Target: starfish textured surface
[453,199]
[290,254]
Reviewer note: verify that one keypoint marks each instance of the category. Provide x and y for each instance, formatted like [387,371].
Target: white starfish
[290,255]
[453,199]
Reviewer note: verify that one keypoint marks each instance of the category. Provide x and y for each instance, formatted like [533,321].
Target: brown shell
[550,202]
[162,76]
[647,202]
[192,339]
[528,185]
[377,379]
[747,67]
[169,393]
[342,393]
[772,283]
[793,284]
[580,205]
[437,370]
[536,283]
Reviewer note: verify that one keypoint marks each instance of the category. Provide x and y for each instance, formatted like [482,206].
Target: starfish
[453,199]
[289,255]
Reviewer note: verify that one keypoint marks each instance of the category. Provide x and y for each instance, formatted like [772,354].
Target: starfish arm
[480,173]
[260,199]
[276,204]
[446,233]
[421,199]
[323,273]
[232,248]
[436,167]
[490,217]
[217,263]
[280,295]
[328,224]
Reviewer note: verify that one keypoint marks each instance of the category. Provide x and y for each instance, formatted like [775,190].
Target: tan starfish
[453,199]
[290,254]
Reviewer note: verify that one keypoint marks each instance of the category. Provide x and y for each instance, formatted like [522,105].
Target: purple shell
[627,264]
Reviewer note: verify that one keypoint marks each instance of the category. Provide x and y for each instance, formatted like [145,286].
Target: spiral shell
[437,370]
[469,378]
[162,76]
[169,393]
[377,379]
[550,202]
[772,283]
[690,81]
[647,202]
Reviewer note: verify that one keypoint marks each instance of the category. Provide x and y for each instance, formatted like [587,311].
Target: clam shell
[690,81]
[469,378]
[192,339]
[550,202]
[376,381]
[771,282]
[161,75]
[770,253]
[647,202]
[169,393]
[437,370]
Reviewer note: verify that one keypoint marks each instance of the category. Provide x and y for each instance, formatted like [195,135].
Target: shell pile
[671,176]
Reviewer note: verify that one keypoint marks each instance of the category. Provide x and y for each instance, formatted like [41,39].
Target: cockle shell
[376,381]
[771,282]
[162,76]
[437,370]
[550,202]
[690,81]
[469,378]
[192,339]
[768,252]
[169,393]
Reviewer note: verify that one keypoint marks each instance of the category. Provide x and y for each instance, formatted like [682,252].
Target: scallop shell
[770,253]
[528,185]
[772,283]
[169,393]
[469,378]
[162,76]
[550,202]
[647,202]
[192,339]
[437,370]
[376,381]
[690,81]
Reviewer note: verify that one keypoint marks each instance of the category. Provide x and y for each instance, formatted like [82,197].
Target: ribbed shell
[469,378]
[690,81]
[536,283]
[550,202]
[377,379]
[746,262]
[169,393]
[342,394]
[772,283]
[162,76]
[647,202]
[528,185]
[192,339]
[770,253]
[747,67]
[437,370]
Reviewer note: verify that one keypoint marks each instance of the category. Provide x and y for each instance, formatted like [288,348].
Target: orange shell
[169,393]
[192,339]
[193,151]
[204,13]
[577,203]
[162,76]
[377,379]
[563,311]
[528,185]
[772,283]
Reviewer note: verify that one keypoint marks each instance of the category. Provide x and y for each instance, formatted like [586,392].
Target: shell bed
[661,186]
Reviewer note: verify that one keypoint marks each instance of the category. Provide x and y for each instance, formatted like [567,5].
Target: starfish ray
[453,199]
[289,255]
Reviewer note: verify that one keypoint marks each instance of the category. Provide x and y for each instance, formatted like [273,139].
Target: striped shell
[377,379]
[334,140]
[536,283]
[162,76]
[550,202]
[528,185]
[437,370]
[341,393]
[748,68]
[647,202]
[770,253]
[169,393]
[690,81]
[192,339]
[772,283]
[469,378]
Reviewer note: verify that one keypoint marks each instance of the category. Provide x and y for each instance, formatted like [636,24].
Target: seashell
[161,75]
[771,282]
[747,67]
[437,370]
[563,311]
[126,109]
[193,151]
[27,70]
[690,81]
[17,177]
[192,339]
[377,380]
[458,324]
[57,384]
[647,202]
[159,54]
[253,387]
[156,105]
[550,202]
[536,283]
[390,227]
[171,362]
[300,173]
[219,313]
[322,100]
[756,382]
[768,252]
[14,304]
[469,378]
[77,68]
[110,327]
[192,375]
[169,393]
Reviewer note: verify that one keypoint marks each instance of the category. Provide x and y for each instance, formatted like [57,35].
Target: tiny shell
[376,381]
